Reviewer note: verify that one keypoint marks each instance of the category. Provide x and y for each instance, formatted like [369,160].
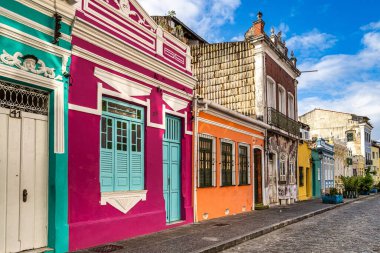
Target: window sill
[123,200]
[244,184]
[233,185]
[202,187]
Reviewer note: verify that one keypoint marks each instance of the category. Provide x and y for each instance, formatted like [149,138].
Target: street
[351,228]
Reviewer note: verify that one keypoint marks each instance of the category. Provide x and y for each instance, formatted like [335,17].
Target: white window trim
[271,97]
[213,138]
[283,104]
[233,161]
[292,173]
[291,106]
[283,175]
[248,161]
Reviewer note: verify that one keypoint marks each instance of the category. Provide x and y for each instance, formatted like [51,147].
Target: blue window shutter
[121,156]
[106,155]
[137,156]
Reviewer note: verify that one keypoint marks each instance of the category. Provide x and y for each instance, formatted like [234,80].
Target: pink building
[130,126]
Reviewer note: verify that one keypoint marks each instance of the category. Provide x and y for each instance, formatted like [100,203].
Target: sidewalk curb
[257,233]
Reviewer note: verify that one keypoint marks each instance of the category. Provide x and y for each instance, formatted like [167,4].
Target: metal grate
[106,248]
[23,98]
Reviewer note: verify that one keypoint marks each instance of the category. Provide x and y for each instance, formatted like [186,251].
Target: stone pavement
[219,234]
[352,228]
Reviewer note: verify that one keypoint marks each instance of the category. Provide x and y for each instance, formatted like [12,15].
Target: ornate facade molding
[123,201]
[29,64]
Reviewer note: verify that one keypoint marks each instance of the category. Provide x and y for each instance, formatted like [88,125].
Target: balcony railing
[369,162]
[281,121]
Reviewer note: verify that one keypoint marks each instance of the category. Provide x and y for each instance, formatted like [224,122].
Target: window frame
[281,99]
[301,176]
[271,93]
[248,166]
[292,174]
[282,173]
[130,122]
[291,106]
[213,159]
[233,170]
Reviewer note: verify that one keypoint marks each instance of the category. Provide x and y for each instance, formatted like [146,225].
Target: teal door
[172,168]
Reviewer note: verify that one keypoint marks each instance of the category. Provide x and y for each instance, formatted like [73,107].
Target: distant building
[353,129]
[376,160]
[178,29]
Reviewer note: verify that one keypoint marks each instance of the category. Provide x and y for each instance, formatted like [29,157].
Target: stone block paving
[217,234]
[351,228]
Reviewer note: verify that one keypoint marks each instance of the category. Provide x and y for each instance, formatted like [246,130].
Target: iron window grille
[205,162]
[243,165]
[227,164]
[24,98]
[301,176]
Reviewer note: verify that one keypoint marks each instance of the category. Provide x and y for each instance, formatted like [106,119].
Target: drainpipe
[195,156]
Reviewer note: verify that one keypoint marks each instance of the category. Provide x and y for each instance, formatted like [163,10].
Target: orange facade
[218,200]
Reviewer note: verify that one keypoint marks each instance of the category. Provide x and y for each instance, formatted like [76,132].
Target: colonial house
[341,162]
[227,147]
[305,165]
[323,167]
[35,51]
[256,78]
[130,128]
[353,129]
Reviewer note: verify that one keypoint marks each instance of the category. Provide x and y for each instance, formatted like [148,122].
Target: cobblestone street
[351,228]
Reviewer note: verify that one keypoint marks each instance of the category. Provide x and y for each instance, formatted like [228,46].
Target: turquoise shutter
[106,155]
[137,156]
[121,156]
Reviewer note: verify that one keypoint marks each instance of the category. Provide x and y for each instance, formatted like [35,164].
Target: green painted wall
[316,167]
[58,232]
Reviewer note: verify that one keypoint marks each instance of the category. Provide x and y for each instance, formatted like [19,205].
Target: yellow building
[375,149]
[304,182]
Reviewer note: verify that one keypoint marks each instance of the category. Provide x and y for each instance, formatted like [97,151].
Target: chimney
[257,28]
[258,25]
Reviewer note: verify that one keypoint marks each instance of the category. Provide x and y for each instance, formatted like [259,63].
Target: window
[373,155]
[350,136]
[227,165]
[282,171]
[291,111]
[271,93]
[292,173]
[281,100]
[206,173]
[244,165]
[122,147]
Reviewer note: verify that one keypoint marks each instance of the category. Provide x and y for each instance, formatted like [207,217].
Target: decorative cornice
[109,42]
[175,103]
[97,59]
[123,201]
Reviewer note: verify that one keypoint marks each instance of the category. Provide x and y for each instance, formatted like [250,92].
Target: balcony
[281,121]
[369,162]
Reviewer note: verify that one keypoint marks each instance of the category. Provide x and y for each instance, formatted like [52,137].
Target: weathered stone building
[348,127]
[256,77]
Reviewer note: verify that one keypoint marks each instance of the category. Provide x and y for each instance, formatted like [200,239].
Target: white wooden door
[23,169]
[272,182]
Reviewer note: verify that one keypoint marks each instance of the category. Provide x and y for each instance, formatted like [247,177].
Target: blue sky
[341,39]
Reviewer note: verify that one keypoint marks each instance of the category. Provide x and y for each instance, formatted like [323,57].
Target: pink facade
[120,53]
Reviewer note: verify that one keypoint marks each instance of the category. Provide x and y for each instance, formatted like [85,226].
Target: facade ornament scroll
[28,63]
[125,8]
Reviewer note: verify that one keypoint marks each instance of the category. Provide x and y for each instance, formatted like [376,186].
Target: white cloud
[311,42]
[284,28]
[204,17]
[237,38]
[371,26]
[345,82]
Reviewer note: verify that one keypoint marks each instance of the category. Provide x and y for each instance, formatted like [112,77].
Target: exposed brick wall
[281,77]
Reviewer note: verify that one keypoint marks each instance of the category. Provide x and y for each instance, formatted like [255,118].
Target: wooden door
[172,169]
[23,181]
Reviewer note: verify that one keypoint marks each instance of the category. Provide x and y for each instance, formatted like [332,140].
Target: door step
[40,250]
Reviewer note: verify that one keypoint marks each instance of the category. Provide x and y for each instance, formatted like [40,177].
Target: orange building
[228,158]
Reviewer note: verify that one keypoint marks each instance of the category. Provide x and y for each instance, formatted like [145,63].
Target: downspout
[265,153]
[195,153]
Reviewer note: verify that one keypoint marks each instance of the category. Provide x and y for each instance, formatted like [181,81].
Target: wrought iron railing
[281,121]
[369,162]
